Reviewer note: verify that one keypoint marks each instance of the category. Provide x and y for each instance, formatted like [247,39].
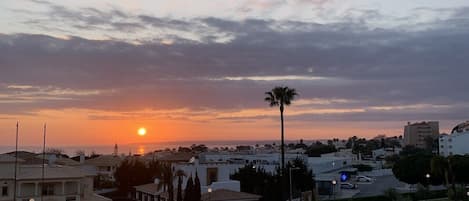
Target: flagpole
[16,160]
[43,162]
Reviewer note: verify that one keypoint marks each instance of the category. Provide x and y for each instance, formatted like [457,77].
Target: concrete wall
[455,144]
[224,171]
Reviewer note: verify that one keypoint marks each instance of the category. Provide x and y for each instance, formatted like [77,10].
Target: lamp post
[209,190]
[428,180]
[334,182]
[291,189]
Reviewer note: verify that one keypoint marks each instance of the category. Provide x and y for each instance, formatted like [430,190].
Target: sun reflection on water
[141,150]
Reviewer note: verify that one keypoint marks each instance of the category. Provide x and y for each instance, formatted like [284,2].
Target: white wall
[455,144]
[224,171]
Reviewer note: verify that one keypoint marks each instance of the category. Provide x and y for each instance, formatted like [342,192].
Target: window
[450,146]
[48,189]
[442,146]
[5,191]
[212,175]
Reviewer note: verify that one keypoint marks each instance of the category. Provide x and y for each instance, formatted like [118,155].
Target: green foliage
[196,192]
[315,150]
[392,194]
[179,189]
[411,150]
[133,173]
[188,192]
[439,169]
[422,193]
[460,168]
[391,159]
[199,148]
[258,181]
[413,168]
[457,193]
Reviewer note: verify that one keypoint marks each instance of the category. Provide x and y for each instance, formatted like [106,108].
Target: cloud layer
[214,69]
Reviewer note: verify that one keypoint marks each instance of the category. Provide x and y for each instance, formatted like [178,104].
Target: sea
[142,148]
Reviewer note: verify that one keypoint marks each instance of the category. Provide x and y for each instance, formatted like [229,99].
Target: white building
[105,166]
[456,142]
[327,164]
[59,183]
[418,134]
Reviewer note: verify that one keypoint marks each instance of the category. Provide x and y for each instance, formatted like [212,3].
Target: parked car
[361,178]
[347,185]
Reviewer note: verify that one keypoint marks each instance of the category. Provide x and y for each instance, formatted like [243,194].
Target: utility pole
[16,161]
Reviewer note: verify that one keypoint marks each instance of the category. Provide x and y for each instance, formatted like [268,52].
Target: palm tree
[281,97]
[167,176]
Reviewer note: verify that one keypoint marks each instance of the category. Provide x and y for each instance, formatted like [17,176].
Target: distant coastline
[139,148]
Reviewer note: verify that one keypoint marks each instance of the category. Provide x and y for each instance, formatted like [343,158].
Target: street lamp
[290,169]
[334,182]
[428,180]
[209,190]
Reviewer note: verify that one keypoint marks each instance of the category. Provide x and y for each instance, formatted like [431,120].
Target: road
[378,186]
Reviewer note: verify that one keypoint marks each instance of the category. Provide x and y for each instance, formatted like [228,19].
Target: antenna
[43,162]
[16,160]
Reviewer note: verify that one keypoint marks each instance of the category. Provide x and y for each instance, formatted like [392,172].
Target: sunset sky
[97,71]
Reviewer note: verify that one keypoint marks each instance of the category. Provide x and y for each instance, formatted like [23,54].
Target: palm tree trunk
[282,150]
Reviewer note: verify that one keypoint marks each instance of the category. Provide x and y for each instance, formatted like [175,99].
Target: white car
[347,185]
[361,178]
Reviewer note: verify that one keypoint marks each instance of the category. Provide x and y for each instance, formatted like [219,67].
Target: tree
[199,148]
[281,97]
[316,150]
[258,181]
[188,192]
[179,190]
[392,194]
[413,169]
[167,176]
[197,193]
[302,177]
[439,168]
[460,168]
[411,150]
[80,152]
[131,173]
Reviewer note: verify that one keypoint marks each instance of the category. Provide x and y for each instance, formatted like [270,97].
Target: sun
[142,131]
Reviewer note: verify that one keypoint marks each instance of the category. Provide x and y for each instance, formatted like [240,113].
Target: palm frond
[271,99]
